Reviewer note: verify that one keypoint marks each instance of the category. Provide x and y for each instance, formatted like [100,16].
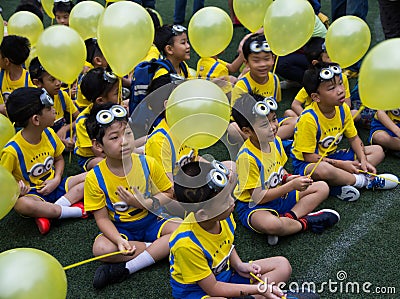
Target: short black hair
[191,183]
[314,48]
[36,70]
[311,78]
[15,48]
[154,18]
[63,7]
[246,45]
[164,36]
[92,49]
[242,110]
[94,129]
[31,8]
[22,104]
[93,84]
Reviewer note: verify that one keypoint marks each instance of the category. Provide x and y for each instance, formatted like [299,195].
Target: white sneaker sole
[349,193]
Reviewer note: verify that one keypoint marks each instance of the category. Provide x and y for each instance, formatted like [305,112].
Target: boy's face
[62,18]
[180,49]
[325,57]
[260,64]
[47,116]
[112,95]
[263,130]
[273,122]
[51,84]
[330,93]
[118,140]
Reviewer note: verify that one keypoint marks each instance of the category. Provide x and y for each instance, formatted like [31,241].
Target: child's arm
[50,185]
[297,107]
[387,122]
[235,65]
[243,269]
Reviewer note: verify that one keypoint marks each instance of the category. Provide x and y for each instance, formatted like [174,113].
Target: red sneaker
[43,225]
[80,205]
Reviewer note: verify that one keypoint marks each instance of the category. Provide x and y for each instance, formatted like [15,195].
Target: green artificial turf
[364,244]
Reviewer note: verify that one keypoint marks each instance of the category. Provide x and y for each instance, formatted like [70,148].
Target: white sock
[361,180]
[143,260]
[70,212]
[147,244]
[63,201]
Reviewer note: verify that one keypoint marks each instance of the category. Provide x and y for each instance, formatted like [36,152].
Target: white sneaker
[347,193]
[272,240]
[384,181]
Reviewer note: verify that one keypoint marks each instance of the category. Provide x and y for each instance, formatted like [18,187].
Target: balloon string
[120,90]
[94,259]
[276,63]
[70,121]
[263,282]
[379,176]
[333,142]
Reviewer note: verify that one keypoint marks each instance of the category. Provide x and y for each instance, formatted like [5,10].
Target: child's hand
[301,183]
[126,196]
[244,269]
[49,186]
[351,166]
[368,167]
[272,292]
[23,189]
[124,245]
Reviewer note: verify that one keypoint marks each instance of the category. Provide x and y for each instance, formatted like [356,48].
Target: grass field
[362,250]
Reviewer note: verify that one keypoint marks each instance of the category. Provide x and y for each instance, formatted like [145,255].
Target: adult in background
[180,9]
[390,17]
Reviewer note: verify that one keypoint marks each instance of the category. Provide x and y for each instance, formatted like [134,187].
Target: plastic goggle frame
[107,117]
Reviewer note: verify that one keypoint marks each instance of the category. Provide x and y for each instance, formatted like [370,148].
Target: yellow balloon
[7,130]
[378,80]
[27,24]
[347,40]
[125,34]
[288,25]
[198,113]
[48,7]
[9,193]
[32,54]
[31,273]
[210,31]
[62,52]
[251,12]
[84,18]
[1,28]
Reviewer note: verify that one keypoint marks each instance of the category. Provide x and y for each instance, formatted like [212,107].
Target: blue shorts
[278,206]
[61,189]
[376,125]
[300,167]
[83,161]
[147,229]
[194,291]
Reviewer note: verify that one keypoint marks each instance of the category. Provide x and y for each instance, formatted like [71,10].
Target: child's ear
[100,101]
[37,83]
[97,146]
[315,97]
[247,131]
[169,50]
[35,119]
[97,61]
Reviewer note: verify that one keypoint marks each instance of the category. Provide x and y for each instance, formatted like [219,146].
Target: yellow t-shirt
[153,53]
[58,105]
[100,193]
[259,169]
[306,132]
[37,164]
[303,97]
[271,88]
[196,253]
[167,154]
[210,68]
[8,86]
[81,100]
[83,144]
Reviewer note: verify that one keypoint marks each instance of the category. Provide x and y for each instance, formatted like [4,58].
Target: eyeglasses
[329,72]
[106,117]
[217,178]
[263,108]
[178,29]
[46,99]
[109,77]
[257,47]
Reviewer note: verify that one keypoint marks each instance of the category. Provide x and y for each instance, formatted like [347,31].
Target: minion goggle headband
[263,108]
[178,29]
[217,178]
[46,99]
[328,73]
[106,117]
[257,46]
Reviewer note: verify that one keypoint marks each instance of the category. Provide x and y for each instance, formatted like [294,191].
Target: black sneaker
[108,274]
[317,222]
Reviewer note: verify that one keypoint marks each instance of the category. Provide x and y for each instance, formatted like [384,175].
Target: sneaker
[108,274]
[384,181]
[345,193]
[287,84]
[272,240]
[43,225]
[317,222]
[80,205]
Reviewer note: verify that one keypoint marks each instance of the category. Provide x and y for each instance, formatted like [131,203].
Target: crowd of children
[166,200]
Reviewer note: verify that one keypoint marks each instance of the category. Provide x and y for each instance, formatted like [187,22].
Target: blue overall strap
[102,185]
[342,115]
[62,99]
[146,172]
[1,79]
[162,131]
[51,138]
[244,79]
[318,137]
[259,164]
[26,79]
[21,159]
[275,86]
[212,69]
[195,240]
[231,226]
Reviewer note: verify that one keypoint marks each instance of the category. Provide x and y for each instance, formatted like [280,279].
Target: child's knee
[320,187]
